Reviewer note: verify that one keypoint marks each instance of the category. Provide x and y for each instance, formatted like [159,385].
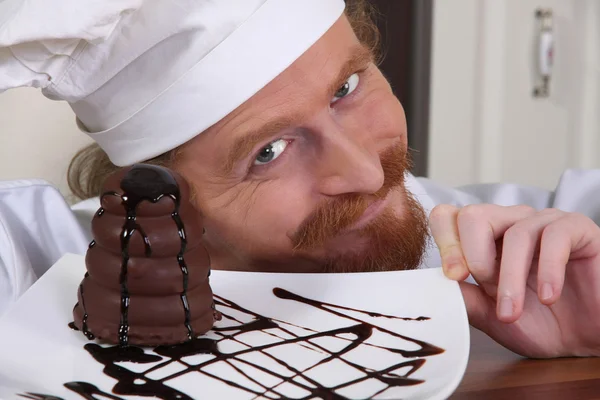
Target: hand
[538,275]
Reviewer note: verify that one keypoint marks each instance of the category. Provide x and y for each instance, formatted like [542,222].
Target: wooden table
[495,373]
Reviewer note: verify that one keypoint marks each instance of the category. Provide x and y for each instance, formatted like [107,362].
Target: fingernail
[506,307]
[454,270]
[546,292]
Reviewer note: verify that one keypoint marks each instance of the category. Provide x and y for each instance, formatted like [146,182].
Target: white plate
[40,353]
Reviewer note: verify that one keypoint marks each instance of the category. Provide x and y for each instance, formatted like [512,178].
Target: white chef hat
[145,76]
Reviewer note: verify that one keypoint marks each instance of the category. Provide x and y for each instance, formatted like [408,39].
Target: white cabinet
[485,123]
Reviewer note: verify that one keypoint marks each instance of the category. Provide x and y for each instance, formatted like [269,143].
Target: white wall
[38,137]
[485,124]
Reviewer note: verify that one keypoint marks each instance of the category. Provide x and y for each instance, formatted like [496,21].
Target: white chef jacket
[37,226]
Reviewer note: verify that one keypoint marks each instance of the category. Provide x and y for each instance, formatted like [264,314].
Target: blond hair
[90,166]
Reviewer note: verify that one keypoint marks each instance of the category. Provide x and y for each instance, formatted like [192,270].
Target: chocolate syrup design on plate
[38,396]
[239,322]
[237,325]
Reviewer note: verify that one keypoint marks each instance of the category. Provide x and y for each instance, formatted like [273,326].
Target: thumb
[480,307]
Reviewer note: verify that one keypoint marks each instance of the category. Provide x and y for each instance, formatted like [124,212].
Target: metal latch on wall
[545,53]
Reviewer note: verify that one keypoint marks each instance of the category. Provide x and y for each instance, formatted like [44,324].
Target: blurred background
[465,70]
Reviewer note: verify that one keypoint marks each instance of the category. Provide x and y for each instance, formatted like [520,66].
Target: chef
[296,149]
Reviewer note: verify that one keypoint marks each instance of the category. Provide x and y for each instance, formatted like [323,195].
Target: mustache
[334,216]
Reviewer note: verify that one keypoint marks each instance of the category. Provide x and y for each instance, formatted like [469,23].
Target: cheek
[262,216]
[379,113]
[383,116]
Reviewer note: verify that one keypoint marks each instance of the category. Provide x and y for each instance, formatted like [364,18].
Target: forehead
[297,88]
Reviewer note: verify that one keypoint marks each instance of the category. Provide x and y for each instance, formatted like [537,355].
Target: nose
[347,166]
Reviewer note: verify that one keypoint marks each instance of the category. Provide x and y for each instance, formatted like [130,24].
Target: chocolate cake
[147,280]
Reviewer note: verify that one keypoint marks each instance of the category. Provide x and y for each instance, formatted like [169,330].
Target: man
[295,146]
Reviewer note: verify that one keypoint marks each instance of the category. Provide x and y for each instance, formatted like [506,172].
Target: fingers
[479,227]
[444,230]
[466,238]
[481,311]
[571,236]
[520,243]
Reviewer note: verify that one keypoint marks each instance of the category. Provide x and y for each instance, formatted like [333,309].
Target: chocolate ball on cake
[147,280]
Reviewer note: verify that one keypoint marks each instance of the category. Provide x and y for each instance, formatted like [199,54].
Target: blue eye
[271,152]
[347,88]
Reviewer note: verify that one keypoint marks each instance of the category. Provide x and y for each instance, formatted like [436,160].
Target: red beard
[395,242]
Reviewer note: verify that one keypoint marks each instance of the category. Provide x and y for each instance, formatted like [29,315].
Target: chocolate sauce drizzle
[38,396]
[237,323]
[183,266]
[84,319]
[150,183]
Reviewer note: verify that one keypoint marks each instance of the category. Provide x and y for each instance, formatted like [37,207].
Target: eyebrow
[360,58]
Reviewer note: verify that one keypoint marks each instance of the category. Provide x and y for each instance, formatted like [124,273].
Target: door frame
[406,32]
